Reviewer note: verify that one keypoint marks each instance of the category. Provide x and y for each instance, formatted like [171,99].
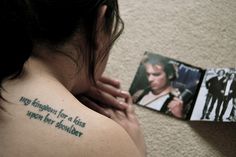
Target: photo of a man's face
[157,78]
[165,85]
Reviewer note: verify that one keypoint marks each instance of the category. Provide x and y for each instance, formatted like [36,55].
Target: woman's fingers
[106,98]
[116,92]
[107,80]
[127,97]
[129,102]
[107,92]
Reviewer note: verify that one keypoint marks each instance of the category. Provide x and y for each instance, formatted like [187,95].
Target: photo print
[166,85]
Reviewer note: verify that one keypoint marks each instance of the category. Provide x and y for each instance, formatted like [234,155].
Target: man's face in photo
[232,76]
[156,77]
[221,73]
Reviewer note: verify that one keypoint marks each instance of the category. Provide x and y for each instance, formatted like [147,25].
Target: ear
[102,36]
[102,10]
[101,14]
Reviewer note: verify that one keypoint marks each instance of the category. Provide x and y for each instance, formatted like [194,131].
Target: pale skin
[53,79]
[119,110]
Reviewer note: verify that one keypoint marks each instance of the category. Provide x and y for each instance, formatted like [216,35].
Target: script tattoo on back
[53,117]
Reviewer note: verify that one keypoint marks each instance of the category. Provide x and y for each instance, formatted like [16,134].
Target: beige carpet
[199,32]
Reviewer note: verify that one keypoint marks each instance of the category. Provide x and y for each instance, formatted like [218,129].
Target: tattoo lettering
[50,116]
[34,115]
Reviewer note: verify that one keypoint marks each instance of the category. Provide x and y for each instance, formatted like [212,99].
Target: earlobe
[102,35]
[101,12]
[101,23]
[101,18]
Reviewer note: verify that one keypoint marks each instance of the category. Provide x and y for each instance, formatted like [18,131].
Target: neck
[163,91]
[60,68]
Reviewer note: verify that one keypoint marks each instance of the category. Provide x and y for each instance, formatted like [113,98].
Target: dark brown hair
[24,22]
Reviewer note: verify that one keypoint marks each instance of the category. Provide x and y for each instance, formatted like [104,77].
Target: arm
[208,83]
[111,140]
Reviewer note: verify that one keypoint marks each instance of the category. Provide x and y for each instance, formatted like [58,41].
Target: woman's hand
[106,93]
[126,118]
[109,100]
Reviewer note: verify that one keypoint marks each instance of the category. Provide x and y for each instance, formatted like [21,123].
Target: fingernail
[123,104]
[117,81]
[123,92]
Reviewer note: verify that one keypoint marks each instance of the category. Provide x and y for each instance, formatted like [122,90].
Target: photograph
[166,85]
[217,97]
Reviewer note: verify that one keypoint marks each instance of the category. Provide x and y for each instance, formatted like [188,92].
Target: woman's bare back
[42,118]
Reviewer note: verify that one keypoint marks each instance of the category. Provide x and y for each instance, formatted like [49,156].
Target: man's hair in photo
[221,70]
[155,59]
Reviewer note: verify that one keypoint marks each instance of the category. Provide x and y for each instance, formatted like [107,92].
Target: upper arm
[112,141]
[124,146]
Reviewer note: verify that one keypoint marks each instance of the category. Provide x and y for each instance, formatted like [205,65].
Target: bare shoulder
[111,140]
[54,123]
[102,136]
[86,134]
